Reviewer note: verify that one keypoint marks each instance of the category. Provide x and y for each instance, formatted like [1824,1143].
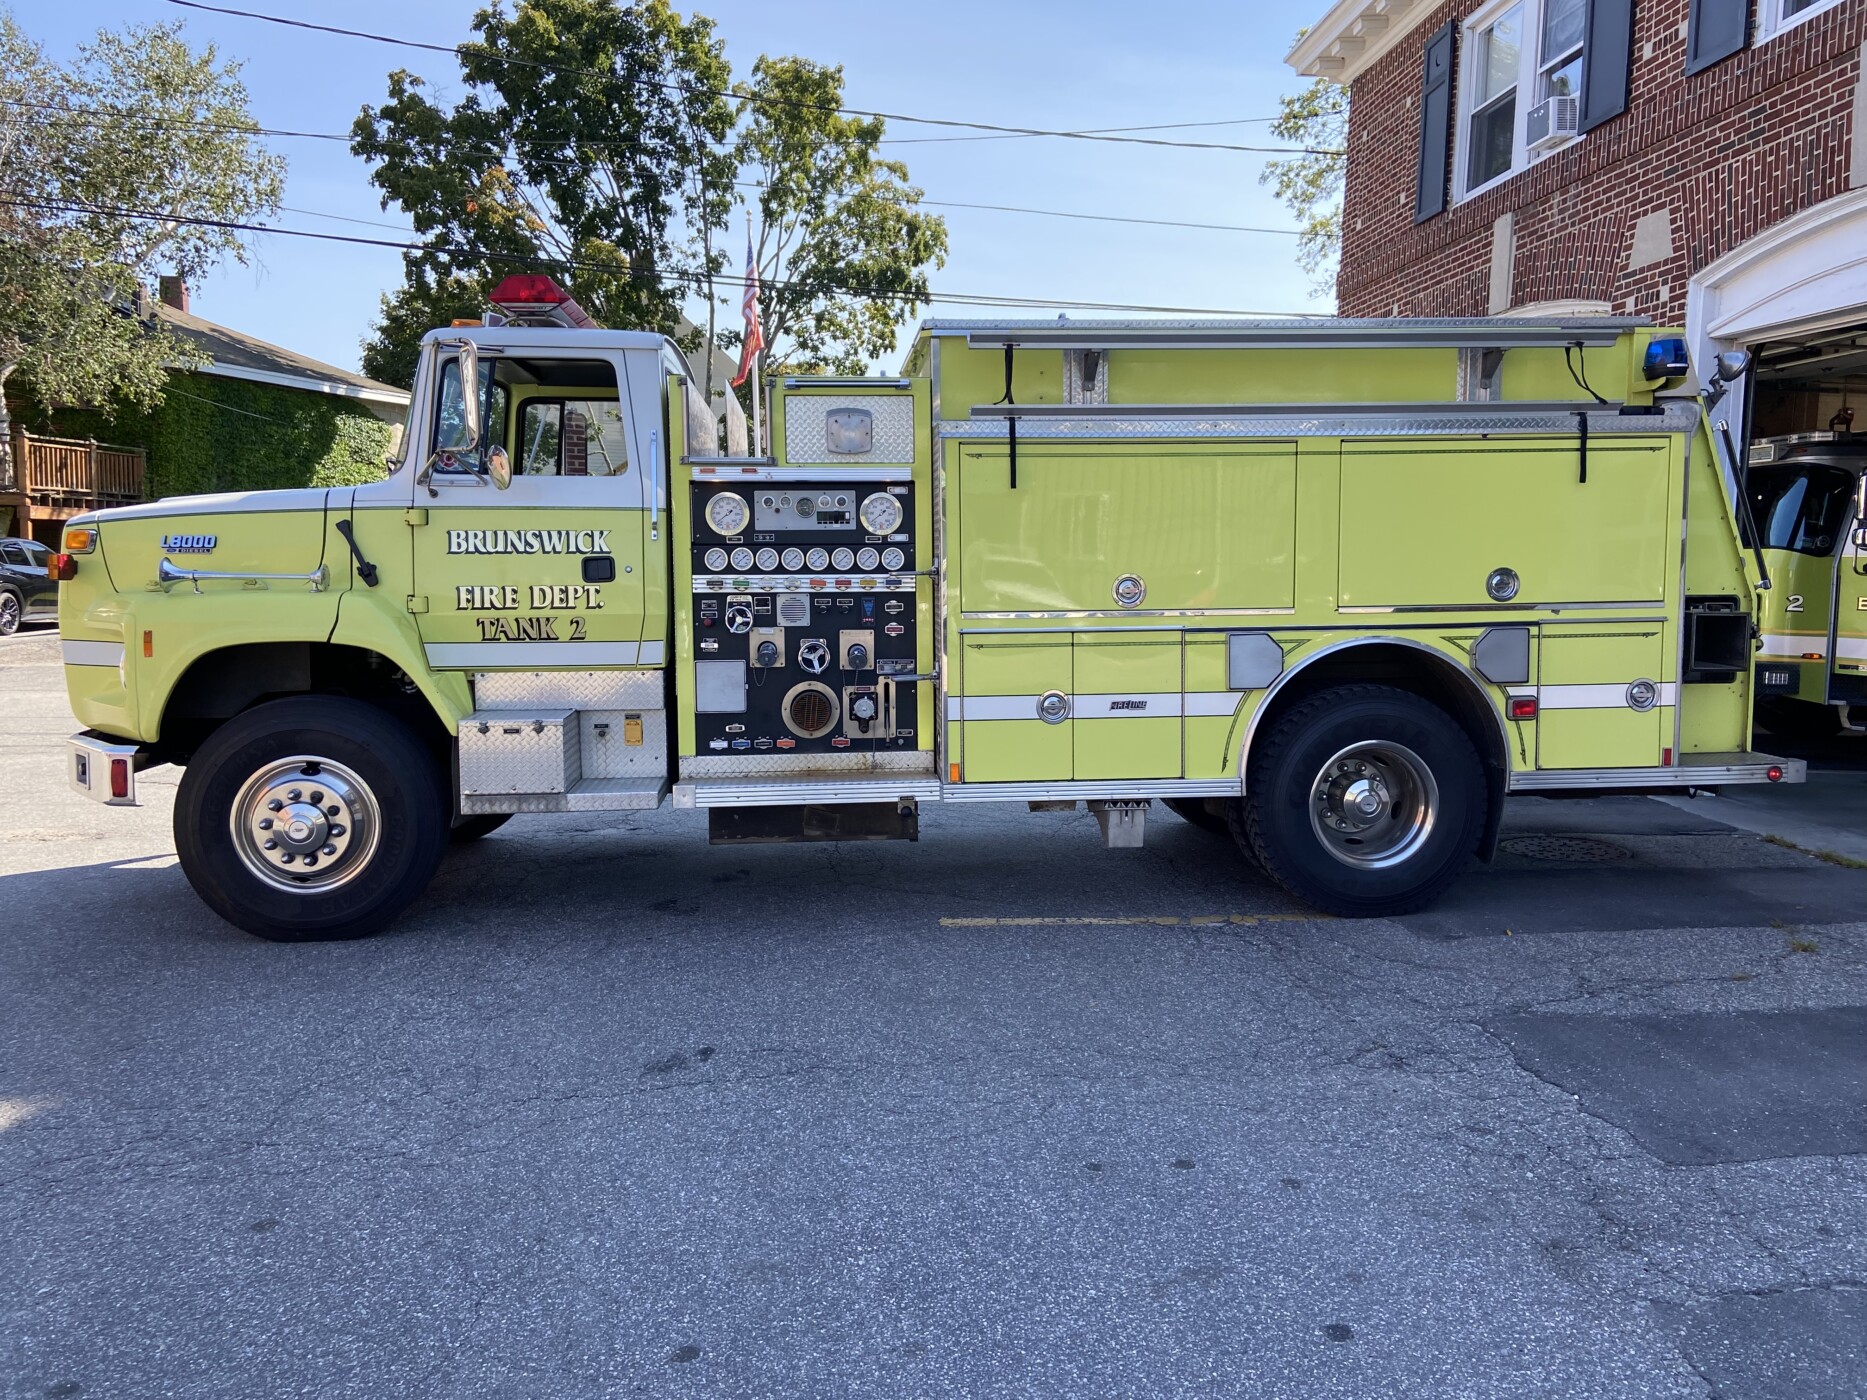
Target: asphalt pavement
[613,1112]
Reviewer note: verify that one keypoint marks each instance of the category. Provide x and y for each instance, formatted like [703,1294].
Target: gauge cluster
[804,617]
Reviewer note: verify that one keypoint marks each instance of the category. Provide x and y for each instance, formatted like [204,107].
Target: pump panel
[806,588]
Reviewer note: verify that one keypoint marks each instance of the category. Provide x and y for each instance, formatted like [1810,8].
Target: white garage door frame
[1802,276]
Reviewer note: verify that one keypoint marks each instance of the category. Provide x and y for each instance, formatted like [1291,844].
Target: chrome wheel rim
[305,825]
[9,613]
[1373,805]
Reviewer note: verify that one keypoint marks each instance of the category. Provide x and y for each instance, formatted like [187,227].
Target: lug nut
[272,845]
[286,859]
[274,805]
[316,796]
[265,823]
[330,850]
[311,860]
[296,794]
[333,810]
[337,831]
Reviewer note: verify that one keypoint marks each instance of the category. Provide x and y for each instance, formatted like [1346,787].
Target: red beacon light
[533,299]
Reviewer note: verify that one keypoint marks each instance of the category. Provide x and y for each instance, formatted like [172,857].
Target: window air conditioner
[1552,122]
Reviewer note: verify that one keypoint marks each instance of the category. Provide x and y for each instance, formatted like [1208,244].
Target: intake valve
[768,653]
[862,709]
[813,654]
[858,657]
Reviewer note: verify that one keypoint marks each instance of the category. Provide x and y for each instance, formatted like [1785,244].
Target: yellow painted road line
[1124,920]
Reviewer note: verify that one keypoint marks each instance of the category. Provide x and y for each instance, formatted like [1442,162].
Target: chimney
[175,293]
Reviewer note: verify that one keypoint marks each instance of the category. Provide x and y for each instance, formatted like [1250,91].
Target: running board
[1694,770]
[806,788]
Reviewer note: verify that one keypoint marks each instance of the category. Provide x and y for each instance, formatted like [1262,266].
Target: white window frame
[1771,21]
[1529,74]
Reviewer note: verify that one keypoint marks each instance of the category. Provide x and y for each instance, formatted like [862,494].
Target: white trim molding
[1803,275]
[397,398]
[1353,36]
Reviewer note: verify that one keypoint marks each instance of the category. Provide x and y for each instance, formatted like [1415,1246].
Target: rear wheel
[1365,801]
[10,612]
[311,818]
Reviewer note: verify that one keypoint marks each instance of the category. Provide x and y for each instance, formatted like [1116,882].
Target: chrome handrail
[168,574]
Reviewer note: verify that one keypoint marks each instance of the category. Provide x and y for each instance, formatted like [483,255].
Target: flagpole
[758,395]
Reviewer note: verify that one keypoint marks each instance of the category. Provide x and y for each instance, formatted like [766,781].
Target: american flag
[755,334]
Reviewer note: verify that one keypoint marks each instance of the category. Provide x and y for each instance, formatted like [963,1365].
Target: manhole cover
[1579,849]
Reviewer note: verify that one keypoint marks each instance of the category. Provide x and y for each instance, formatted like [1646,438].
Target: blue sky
[1057,66]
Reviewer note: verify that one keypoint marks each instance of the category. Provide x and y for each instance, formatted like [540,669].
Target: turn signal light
[80,540]
[1523,707]
[1774,774]
[63,568]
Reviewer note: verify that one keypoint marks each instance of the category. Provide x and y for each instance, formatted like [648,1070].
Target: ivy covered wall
[216,434]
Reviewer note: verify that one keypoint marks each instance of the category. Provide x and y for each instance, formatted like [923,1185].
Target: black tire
[473,828]
[1195,811]
[12,612]
[1416,766]
[383,861]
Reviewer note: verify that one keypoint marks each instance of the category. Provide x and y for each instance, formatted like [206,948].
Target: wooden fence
[60,477]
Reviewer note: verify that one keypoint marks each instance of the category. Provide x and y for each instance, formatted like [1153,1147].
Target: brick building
[1699,162]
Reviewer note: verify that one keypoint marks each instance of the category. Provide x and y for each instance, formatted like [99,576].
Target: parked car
[28,592]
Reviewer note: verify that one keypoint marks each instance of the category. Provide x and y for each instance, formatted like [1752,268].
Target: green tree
[841,243]
[605,142]
[1311,184]
[138,121]
[575,149]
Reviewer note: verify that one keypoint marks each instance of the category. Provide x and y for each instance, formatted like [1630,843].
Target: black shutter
[1435,127]
[1717,29]
[1607,60]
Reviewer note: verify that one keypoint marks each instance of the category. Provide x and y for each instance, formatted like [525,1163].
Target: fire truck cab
[1333,589]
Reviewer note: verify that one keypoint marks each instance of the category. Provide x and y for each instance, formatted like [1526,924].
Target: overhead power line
[681,277]
[690,90]
[932,203]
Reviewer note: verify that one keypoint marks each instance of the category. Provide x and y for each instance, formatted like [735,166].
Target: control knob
[738,617]
[813,654]
[862,710]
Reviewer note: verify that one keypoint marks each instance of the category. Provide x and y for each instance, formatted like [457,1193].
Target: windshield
[1801,508]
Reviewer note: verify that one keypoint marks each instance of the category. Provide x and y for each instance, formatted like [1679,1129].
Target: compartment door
[1204,526]
[1127,705]
[1004,678]
[1585,718]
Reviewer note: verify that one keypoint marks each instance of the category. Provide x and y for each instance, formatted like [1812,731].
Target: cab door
[548,574]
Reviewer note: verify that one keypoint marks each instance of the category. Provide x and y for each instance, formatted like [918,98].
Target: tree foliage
[840,237]
[606,143]
[138,121]
[1311,184]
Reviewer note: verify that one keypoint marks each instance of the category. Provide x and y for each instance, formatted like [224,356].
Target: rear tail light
[1523,707]
[63,568]
[1774,774]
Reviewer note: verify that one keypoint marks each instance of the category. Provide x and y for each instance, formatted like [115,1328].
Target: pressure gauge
[818,558]
[880,514]
[716,559]
[867,558]
[844,559]
[728,513]
[742,559]
[893,558]
[793,559]
[768,559]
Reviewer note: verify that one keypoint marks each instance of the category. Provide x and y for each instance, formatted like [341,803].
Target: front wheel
[311,818]
[1365,801]
[10,612]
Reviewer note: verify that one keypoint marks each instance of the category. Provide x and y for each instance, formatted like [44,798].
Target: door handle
[654,485]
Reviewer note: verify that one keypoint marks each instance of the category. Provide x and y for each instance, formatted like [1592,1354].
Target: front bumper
[103,768]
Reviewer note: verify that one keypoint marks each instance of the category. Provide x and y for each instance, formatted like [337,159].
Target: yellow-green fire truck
[1808,509]
[1336,587]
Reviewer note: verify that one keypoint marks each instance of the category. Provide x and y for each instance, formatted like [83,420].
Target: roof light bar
[533,299]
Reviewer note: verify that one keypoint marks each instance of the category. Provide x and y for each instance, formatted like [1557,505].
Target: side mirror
[469,356]
[1732,364]
[499,467]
